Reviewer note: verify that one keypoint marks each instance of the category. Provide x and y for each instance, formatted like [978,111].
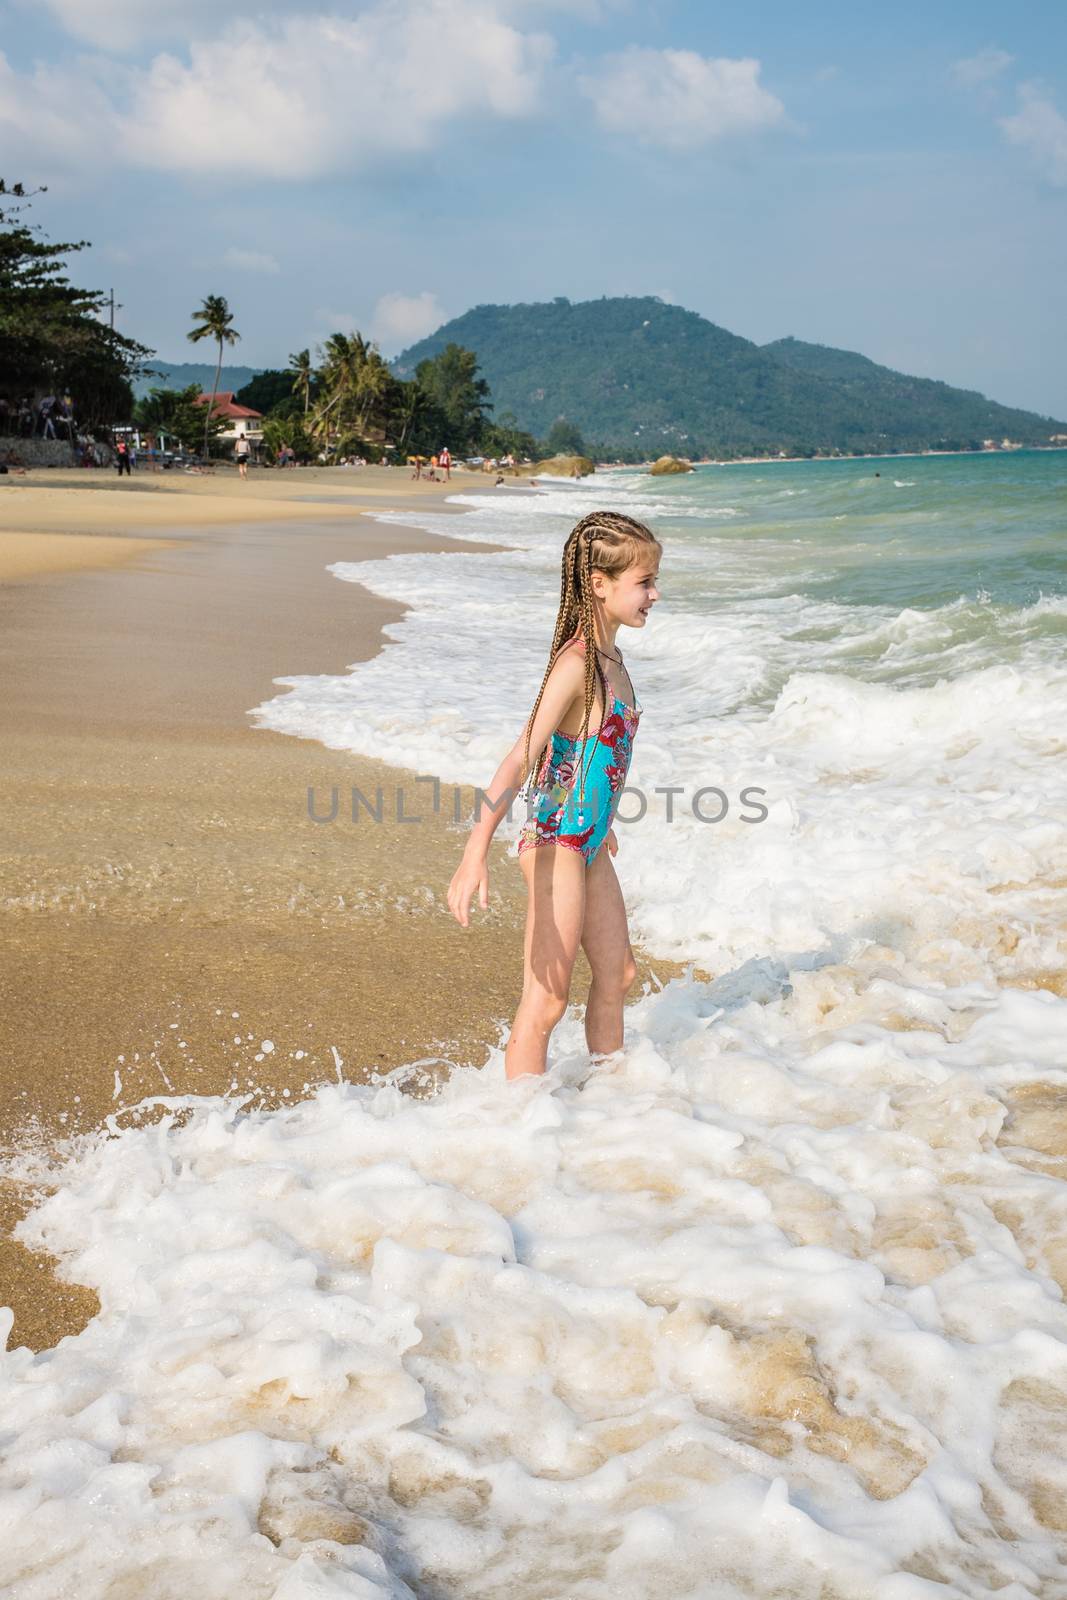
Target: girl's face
[629,598]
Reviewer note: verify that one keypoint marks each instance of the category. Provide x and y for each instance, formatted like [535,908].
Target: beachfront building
[241,421]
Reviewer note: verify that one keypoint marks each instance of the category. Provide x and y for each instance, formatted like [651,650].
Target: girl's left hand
[612,842]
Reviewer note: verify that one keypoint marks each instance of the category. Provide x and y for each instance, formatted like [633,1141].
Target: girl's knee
[618,978]
[544,1009]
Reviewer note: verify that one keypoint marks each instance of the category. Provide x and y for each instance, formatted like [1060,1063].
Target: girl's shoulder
[568,663]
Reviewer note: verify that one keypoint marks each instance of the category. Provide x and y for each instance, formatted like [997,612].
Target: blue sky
[891,180]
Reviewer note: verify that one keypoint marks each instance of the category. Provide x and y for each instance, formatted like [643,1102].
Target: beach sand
[168,908]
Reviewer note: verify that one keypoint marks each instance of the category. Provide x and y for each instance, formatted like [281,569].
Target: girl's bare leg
[555,884]
[606,942]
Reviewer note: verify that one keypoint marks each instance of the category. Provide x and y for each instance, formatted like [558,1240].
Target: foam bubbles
[777,1280]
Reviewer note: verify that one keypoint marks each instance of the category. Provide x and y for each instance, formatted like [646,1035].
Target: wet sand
[172,920]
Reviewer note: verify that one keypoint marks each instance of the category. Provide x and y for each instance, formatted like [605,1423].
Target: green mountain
[642,378]
[921,405]
[180,374]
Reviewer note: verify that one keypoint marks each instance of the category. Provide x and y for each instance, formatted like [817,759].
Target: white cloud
[1041,130]
[971,72]
[251,261]
[678,99]
[401,319]
[326,93]
[54,119]
[301,97]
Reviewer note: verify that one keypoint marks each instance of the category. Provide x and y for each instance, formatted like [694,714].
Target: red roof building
[241,421]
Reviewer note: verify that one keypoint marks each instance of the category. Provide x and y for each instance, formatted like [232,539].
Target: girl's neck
[605,637]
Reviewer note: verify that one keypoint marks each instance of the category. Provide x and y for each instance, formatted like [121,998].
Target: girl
[610,568]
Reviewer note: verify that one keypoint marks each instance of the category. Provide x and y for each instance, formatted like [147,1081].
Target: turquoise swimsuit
[554,815]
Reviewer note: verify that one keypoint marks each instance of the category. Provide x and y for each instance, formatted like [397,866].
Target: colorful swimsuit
[554,815]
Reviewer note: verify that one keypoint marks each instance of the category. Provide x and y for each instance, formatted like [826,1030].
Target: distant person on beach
[416,462]
[571,762]
[433,469]
[444,460]
[242,450]
[122,457]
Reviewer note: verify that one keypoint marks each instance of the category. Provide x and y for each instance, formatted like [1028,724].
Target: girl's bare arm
[565,684]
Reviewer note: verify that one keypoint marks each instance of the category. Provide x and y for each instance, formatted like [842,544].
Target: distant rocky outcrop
[558,467]
[668,464]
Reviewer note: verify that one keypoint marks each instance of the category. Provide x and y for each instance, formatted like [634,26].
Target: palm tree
[414,402]
[343,359]
[215,320]
[303,372]
[373,383]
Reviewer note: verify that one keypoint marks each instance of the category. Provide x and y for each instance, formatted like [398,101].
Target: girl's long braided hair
[609,542]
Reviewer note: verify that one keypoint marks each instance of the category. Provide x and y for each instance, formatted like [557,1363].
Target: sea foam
[771,1304]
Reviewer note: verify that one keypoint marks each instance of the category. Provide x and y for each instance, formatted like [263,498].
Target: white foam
[765,1310]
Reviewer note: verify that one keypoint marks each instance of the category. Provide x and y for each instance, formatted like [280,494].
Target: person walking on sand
[444,461]
[242,450]
[609,580]
[122,457]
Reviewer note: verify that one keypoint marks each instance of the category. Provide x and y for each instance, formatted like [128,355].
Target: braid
[603,541]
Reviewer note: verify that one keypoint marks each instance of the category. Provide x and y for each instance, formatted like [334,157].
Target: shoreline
[67,519]
[167,906]
[768,461]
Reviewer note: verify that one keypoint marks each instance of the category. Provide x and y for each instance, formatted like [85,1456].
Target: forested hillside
[640,377]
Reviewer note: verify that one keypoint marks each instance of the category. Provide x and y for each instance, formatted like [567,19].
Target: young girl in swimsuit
[580,733]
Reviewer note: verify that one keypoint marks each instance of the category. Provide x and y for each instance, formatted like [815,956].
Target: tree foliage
[504,437]
[564,439]
[288,429]
[347,401]
[177,414]
[51,335]
[266,391]
[459,395]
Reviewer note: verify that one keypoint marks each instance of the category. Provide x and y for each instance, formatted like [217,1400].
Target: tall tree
[51,335]
[451,380]
[373,386]
[303,373]
[215,319]
[565,439]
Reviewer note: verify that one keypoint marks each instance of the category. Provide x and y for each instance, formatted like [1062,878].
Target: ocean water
[770,1306]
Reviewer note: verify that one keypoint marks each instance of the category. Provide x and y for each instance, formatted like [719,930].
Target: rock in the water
[667,464]
[559,467]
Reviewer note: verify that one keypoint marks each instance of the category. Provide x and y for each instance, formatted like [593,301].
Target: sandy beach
[172,920]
